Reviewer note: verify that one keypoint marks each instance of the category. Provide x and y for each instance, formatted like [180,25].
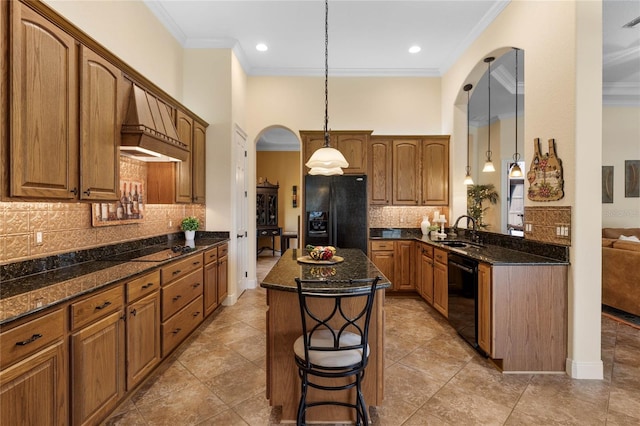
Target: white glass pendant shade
[468,180]
[327,158]
[326,172]
[488,167]
[516,171]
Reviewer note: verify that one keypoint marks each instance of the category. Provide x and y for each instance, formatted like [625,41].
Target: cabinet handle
[178,297]
[196,285]
[104,305]
[133,312]
[176,331]
[88,192]
[29,340]
[74,191]
[195,314]
[196,263]
[177,272]
[147,285]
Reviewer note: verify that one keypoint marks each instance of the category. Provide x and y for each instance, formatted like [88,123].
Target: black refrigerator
[336,211]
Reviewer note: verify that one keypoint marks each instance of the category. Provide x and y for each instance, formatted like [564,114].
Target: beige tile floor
[431,377]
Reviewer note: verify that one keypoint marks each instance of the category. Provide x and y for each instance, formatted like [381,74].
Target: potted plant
[190,225]
[476,195]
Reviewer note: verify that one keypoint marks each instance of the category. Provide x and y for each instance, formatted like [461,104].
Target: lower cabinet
[34,375]
[381,254]
[426,273]
[395,259]
[223,269]
[484,308]
[97,356]
[440,282]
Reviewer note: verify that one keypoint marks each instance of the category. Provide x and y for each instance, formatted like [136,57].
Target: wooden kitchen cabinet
[403,274]
[184,127]
[440,283]
[34,375]
[198,162]
[426,273]
[381,254]
[100,122]
[97,356]
[406,172]
[210,280]
[223,272]
[435,171]
[352,144]
[142,327]
[43,150]
[484,308]
[380,176]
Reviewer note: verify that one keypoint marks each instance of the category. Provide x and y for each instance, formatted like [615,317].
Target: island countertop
[356,265]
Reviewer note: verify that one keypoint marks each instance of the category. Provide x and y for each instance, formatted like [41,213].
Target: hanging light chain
[516,155]
[326,73]
[488,61]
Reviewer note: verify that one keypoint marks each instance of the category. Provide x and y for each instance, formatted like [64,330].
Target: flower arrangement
[190,223]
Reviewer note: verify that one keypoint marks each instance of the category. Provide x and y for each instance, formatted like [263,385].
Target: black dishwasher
[463,297]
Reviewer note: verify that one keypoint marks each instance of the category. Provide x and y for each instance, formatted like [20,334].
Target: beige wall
[620,142]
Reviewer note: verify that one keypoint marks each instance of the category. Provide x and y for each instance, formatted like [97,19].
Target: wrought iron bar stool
[333,344]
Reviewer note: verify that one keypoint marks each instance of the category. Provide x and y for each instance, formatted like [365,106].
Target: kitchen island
[284,327]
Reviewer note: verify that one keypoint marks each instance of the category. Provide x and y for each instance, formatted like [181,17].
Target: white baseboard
[593,370]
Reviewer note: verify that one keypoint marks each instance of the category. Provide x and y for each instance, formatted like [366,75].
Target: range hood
[148,133]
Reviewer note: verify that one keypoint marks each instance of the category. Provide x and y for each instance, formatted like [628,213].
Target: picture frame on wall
[632,178]
[607,184]
[128,209]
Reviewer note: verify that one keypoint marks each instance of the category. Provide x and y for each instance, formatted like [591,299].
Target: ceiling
[372,38]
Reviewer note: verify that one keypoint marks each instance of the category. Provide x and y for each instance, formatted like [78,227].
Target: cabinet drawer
[181,268]
[30,337]
[178,294]
[440,256]
[181,325]
[97,306]
[427,250]
[223,250]
[211,255]
[381,245]
[143,285]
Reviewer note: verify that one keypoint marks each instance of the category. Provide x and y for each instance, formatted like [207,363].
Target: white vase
[424,226]
[189,235]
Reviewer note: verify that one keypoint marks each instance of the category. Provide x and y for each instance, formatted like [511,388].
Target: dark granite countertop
[356,265]
[28,294]
[495,249]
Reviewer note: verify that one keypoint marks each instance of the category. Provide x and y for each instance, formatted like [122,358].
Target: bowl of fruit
[321,252]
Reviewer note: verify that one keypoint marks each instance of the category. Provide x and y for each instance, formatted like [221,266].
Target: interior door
[240,140]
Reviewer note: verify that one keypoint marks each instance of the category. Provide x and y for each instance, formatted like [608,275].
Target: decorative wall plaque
[607,184]
[632,178]
[545,174]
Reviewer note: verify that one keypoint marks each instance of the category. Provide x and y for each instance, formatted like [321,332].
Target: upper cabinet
[184,126]
[101,116]
[198,162]
[44,108]
[409,170]
[352,144]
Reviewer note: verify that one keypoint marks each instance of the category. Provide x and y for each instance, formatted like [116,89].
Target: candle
[436,216]
[443,218]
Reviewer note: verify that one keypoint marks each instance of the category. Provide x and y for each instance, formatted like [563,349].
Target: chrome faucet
[473,221]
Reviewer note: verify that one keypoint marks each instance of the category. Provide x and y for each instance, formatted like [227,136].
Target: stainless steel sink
[454,243]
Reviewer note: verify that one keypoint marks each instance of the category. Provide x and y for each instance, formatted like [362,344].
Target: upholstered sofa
[621,269]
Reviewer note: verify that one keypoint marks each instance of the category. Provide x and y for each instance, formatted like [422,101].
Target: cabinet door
[440,283]
[380,175]
[403,269]
[406,172]
[435,171]
[354,149]
[311,142]
[210,287]
[44,105]
[198,158]
[384,262]
[223,288]
[143,338]
[97,369]
[484,308]
[34,390]
[100,122]
[184,126]
[427,277]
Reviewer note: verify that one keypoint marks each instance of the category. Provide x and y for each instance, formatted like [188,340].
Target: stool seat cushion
[331,359]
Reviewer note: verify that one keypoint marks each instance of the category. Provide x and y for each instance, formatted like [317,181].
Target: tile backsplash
[67,226]
[402,217]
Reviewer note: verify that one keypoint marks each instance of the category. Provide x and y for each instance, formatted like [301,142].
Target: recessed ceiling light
[414,49]
[261,47]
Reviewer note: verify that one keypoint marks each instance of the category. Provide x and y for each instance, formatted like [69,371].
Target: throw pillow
[627,245]
[630,238]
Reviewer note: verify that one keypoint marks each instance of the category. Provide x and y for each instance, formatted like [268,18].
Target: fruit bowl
[321,252]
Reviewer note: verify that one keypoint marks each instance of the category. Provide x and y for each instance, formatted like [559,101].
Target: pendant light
[467,179]
[326,161]
[488,165]
[516,171]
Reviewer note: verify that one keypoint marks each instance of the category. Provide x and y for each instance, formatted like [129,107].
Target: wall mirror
[494,112]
